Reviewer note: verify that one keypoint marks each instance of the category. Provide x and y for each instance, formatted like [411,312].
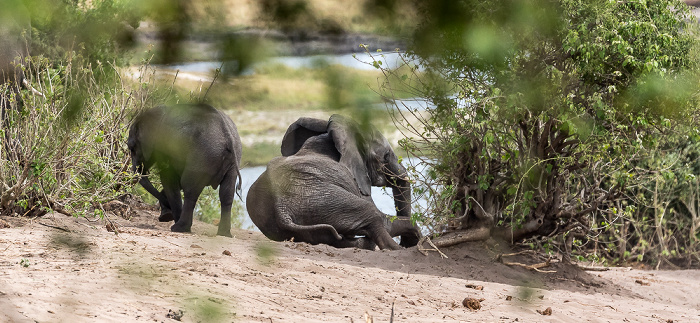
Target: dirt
[62,269]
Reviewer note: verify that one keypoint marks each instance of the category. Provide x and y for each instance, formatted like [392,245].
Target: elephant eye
[387,156]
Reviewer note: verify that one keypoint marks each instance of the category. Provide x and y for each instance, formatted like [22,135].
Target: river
[360,61]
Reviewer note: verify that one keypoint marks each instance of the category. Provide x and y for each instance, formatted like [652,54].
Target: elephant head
[364,151]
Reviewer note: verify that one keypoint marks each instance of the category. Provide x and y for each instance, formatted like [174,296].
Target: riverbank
[64,269]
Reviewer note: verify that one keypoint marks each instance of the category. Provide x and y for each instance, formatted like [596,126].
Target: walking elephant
[193,146]
[319,190]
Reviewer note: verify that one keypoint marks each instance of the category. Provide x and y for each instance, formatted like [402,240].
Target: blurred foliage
[266,253]
[100,32]
[548,113]
[259,154]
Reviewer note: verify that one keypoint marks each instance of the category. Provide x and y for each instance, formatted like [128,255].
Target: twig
[589,268]
[216,75]
[424,251]
[514,254]
[111,224]
[53,226]
[535,267]
[391,319]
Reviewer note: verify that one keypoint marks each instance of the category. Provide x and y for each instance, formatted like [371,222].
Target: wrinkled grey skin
[319,190]
[193,146]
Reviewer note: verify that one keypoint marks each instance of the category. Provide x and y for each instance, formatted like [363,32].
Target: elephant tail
[305,232]
[239,185]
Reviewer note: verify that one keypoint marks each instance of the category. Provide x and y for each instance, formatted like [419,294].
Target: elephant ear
[349,143]
[299,131]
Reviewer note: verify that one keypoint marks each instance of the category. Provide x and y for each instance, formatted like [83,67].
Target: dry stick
[216,75]
[53,226]
[513,254]
[391,319]
[535,267]
[589,268]
[424,251]
[114,227]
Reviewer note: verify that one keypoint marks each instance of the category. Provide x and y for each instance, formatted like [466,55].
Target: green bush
[543,113]
[50,162]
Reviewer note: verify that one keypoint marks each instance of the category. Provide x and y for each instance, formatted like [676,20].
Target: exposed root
[424,251]
[453,238]
[514,235]
[58,207]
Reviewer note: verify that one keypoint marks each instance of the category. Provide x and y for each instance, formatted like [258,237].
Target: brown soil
[62,269]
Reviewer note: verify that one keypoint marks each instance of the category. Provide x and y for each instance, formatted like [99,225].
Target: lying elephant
[193,146]
[319,190]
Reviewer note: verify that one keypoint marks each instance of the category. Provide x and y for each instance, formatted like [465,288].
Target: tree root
[453,238]
[513,235]
[58,207]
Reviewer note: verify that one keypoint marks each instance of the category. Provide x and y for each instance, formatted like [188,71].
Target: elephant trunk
[400,186]
[402,225]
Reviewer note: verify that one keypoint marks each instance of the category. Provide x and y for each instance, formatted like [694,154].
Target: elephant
[193,146]
[319,190]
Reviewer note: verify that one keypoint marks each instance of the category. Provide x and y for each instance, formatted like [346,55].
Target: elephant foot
[408,241]
[166,217]
[366,243]
[181,227]
[224,233]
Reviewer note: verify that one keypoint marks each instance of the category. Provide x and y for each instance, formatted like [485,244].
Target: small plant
[24,262]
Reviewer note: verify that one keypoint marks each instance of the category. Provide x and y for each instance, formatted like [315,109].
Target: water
[360,61]
[382,197]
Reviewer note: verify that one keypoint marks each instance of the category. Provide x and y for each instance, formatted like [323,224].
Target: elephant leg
[381,237]
[192,188]
[227,191]
[166,214]
[351,214]
[404,228]
[360,243]
[171,190]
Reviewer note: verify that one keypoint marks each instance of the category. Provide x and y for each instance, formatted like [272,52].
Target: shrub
[542,112]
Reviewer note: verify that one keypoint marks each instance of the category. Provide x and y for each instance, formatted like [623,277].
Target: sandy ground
[62,269]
